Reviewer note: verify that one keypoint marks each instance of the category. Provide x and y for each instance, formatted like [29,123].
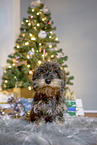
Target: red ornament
[43,51]
[40,49]
[49,22]
[29,19]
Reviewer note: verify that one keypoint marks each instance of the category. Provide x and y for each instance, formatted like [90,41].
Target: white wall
[9,29]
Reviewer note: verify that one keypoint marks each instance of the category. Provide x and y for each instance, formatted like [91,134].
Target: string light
[42,19]
[38,24]
[30,72]
[13,64]
[27,21]
[18,46]
[28,65]
[37,13]
[39,44]
[33,38]
[32,10]
[35,28]
[23,35]
[46,54]
[51,32]
[29,24]
[50,46]
[56,38]
[9,66]
[32,49]
[30,34]
[6,81]
[52,56]
[27,43]
[39,62]
[50,36]
[29,88]
[31,16]
[28,56]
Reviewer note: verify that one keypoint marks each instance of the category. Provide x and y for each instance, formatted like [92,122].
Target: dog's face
[48,75]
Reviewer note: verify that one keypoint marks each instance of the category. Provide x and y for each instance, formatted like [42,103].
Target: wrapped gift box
[71,107]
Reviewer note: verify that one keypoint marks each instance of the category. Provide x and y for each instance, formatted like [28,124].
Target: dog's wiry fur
[49,102]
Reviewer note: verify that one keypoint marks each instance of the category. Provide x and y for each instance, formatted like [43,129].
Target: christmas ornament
[17,59]
[43,51]
[40,49]
[42,34]
[49,22]
[30,53]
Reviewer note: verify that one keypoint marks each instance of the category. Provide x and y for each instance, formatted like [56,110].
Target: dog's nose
[47,81]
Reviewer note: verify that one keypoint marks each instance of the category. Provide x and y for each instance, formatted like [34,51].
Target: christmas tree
[36,44]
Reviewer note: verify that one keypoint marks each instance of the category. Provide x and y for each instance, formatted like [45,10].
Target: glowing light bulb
[3,113]
[42,19]
[56,38]
[27,43]
[37,13]
[50,46]
[18,46]
[39,62]
[51,32]
[52,56]
[27,21]
[38,24]
[6,81]
[33,38]
[28,65]
[13,64]
[30,72]
[28,56]
[39,44]
[50,36]
[29,88]
[32,10]
[31,16]
[30,34]
[9,66]
[22,23]
[29,24]
[46,54]
[32,49]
